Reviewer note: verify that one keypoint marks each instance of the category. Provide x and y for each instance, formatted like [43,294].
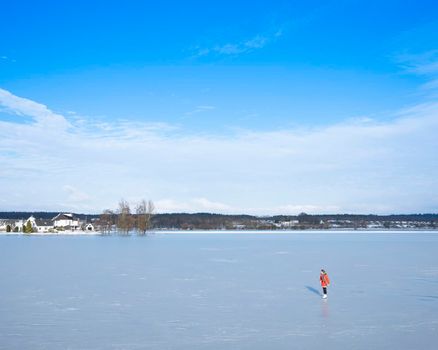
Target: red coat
[324,279]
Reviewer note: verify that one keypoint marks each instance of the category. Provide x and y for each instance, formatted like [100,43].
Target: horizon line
[222,214]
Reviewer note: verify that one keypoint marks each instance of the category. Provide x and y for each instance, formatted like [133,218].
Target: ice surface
[220,291]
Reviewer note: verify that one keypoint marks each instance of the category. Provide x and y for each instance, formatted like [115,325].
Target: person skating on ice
[325,282]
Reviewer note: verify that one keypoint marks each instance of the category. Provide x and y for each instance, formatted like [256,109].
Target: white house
[290,223]
[65,220]
[89,227]
[39,225]
[43,225]
[19,225]
[5,224]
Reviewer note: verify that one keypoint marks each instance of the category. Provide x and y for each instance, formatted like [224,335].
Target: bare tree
[150,210]
[124,219]
[106,221]
[144,212]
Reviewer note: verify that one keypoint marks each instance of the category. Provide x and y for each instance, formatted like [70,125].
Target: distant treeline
[363,217]
[45,215]
[219,221]
[202,221]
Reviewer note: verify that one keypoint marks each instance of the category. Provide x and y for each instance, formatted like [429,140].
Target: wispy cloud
[366,166]
[200,109]
[5,58]
[256,42]
[424,64]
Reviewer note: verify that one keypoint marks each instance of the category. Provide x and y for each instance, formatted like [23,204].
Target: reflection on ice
[325,308]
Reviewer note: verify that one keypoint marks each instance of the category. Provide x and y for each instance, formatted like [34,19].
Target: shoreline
[213,231]
[64,233]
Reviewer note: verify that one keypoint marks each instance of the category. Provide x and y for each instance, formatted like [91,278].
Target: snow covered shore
[222,232]
[57,233]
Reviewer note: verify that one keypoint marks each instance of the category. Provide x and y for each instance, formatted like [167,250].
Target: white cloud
[75,195]
[358,166]
[24,107]
[207,205]
[192,206]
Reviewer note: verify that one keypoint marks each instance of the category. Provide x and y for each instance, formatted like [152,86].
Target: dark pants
[324,289]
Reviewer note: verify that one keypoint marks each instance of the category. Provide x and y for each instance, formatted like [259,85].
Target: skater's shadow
[313,290]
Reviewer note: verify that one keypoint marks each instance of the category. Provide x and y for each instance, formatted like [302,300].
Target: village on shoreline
[63,223]
[107,224]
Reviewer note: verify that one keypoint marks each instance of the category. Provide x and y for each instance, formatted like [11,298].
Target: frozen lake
[220,291]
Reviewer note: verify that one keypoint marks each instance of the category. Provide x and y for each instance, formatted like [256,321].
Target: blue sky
[258,107]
